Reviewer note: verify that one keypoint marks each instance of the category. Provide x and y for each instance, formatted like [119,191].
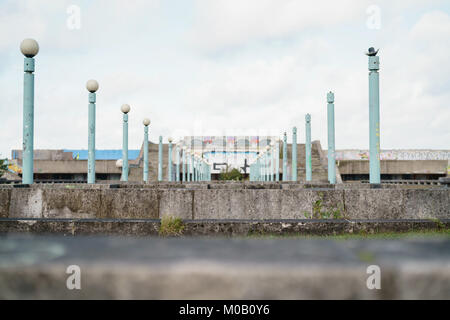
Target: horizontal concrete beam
[216,227]
[151,268]
[208,201]
[395,166]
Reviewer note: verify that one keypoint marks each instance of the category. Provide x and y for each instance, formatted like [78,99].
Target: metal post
[308,147]
[260,168]
[125,109]
[194,169]
[331,146]
[277,161]
[263,165]
[146,122]
[271,163]
[92,87]
[160,159]
[374,117]
[178,164]
[202,171]
[169,161]
[188,164]
[294,154]
[257,169]
[192,165]
[285,157]
[184,164]
[29,48]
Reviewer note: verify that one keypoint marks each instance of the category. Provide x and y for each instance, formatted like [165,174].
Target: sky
[227,67]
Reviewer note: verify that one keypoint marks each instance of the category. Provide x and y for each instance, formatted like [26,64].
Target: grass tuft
[171,227]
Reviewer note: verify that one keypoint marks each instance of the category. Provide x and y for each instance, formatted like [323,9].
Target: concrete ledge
[234,201]
[212,227]
[152,268]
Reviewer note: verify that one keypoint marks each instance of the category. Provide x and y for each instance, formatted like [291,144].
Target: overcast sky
[225,67]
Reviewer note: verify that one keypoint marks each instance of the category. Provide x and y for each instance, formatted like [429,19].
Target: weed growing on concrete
[318,211]
[438,222]
[171,227]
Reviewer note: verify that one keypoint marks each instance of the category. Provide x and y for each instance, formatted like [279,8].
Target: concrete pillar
[331,145]
[146,123]
[169,164]
[294,154]
[92,87]
[277,160]
[125,109]
[308,148]
[374,117]
[184,163]
[29,49]
[285,178]
[272,166]
[188,164]
[160,159]
[192,165]
[178,163]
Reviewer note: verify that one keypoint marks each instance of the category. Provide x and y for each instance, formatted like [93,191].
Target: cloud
[227,24]
[246,67]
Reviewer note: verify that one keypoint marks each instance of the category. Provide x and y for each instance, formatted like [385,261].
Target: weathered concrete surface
[176,203]
[213,227]
[5,200]
[130,203]
[395,166]
[151,268]
[224,201]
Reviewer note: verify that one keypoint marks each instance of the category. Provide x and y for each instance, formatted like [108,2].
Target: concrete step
[190,268]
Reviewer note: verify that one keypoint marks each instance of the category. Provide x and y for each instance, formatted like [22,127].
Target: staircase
[318,163]
[136,167]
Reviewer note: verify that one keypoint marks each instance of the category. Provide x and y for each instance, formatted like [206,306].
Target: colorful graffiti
[395,155]
[14,167]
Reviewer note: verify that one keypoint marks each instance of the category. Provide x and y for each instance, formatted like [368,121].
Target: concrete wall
[225,203]
[53,155]
[405,154]
[395,166]
[74,166]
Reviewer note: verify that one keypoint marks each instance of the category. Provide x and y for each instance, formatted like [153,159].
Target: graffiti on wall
[395,155]
[14,168]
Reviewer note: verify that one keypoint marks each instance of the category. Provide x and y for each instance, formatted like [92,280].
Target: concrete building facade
[351,165]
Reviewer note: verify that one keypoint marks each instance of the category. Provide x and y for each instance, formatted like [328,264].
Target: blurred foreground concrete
[34,267]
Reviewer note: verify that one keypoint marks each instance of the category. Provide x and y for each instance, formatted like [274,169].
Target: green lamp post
[92,87]
[125,108]
[29,48]
[146,123]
